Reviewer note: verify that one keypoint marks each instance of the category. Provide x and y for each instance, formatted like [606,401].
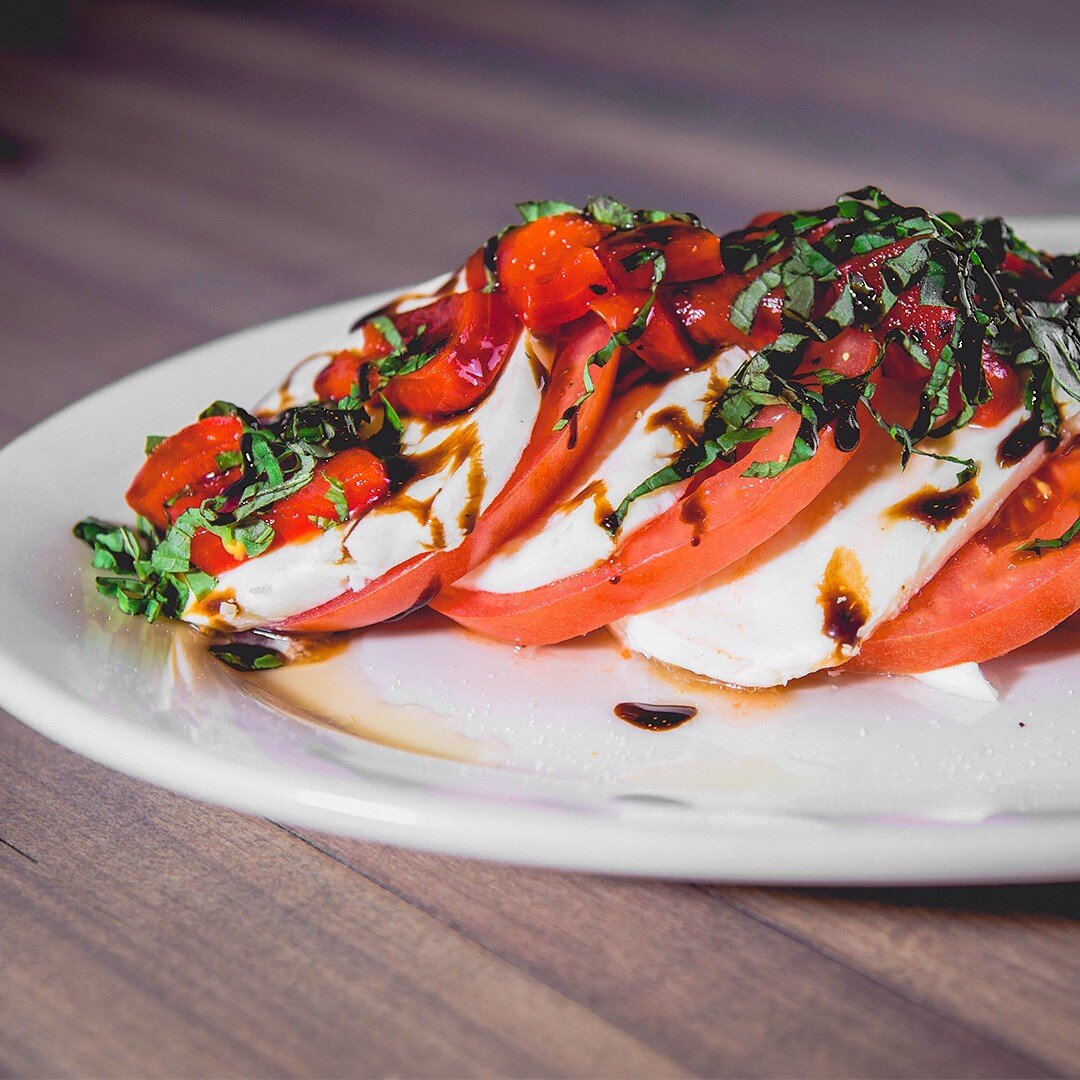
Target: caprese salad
[834,437]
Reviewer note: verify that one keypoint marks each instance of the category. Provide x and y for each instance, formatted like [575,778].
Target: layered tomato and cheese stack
[835,437]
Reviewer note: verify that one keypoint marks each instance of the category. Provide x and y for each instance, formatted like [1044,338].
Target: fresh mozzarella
[462,465]
[573,539]
[963,680]
[851,560]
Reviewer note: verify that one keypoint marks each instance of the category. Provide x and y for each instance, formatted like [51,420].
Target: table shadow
[1057,901]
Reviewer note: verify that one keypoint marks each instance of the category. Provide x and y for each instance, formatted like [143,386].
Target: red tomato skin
[1069,288]
[990,598]
[548,269]
[663,344]
[544,469]
[691,253]
[475,332]
[483,334]
[721,517]
[181,460]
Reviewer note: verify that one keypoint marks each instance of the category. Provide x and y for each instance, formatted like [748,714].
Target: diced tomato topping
[470,355]
[1069,288]
[851,353]
[363,480]
[549,271]
[704,309]
[471,335]
[690,254]
[180,461]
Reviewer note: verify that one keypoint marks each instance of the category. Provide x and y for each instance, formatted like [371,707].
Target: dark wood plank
[1004,961]
[150,935]
[724,994]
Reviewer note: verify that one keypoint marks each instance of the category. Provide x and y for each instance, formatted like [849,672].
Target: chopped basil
[953,263]
[335,494]
[243,656]
[137,585]
[531,211]
[1066,538]
[621,337]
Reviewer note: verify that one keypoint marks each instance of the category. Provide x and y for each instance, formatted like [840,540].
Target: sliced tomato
[549,271]
[180,461]
[545,467]
[991,597]
[719,518]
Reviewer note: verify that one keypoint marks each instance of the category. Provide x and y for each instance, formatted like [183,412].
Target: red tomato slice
[549,271]
[719,519]
[990,597]
[180,461]
[545,467]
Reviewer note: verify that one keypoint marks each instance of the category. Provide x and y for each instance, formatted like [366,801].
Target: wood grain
[184,171]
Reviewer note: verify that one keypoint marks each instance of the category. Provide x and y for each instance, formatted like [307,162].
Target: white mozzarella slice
[849,561]
[473,459]
[573,539]
[963,680]
[464,462]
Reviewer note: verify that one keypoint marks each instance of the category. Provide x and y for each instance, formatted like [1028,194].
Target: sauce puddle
[654,717]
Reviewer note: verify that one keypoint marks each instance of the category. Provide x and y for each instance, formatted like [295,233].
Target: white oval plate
[461,745]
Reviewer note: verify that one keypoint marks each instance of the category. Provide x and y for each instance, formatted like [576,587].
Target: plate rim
[770,850]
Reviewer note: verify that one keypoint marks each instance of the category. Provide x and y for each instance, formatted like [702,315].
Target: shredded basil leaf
[243,656]
[1066,538]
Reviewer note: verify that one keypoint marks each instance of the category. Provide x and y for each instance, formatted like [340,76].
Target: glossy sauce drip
[1019,443]
[844,598]
[695,513]
[934,508]
[476,484]
[676,420]
[595,490]
[209,608]
[654,717]
[460,446]
[540,372]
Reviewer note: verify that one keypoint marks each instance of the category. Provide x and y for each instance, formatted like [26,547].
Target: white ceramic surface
[437,739]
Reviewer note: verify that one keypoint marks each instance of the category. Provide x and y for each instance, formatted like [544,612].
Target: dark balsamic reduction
[695,513]
[1020,442]
[654,717]
[937,509]
[843,598]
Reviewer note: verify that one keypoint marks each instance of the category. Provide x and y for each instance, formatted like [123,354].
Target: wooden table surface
[173,173]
